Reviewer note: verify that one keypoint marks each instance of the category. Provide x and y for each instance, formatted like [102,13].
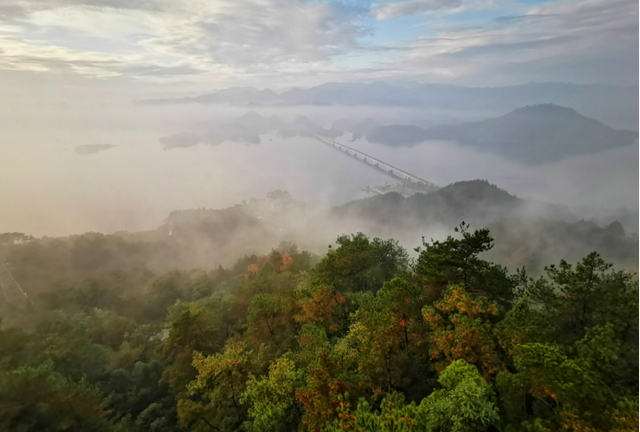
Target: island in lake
[92,148]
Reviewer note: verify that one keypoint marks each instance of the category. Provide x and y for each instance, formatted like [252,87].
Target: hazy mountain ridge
[532,134]
[605,102]
[475,200]
[532,234]
[381,93]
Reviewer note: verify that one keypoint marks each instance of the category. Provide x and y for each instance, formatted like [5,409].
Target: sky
[142,46]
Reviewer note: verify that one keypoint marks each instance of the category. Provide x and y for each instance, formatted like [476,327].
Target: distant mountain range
[533,134]
[381,93]
[607,103]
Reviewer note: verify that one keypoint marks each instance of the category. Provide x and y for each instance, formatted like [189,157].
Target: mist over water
[133,187]
[602,179]
[46,188]
[49,189]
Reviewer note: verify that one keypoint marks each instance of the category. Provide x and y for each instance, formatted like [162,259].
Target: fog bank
[46,188]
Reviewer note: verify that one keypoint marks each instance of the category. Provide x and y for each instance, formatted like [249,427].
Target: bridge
[13,294]
[393,171]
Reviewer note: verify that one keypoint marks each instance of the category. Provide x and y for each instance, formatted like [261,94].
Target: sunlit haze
[319,215]
[74,72]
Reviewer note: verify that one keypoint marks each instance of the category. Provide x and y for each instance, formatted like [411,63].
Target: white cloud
[418,7]
[165,38]
[569,38]
[301,42]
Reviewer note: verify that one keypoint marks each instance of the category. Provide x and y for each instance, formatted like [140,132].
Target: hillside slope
[475,200]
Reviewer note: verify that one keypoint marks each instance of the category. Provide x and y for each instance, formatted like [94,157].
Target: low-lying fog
[47,188]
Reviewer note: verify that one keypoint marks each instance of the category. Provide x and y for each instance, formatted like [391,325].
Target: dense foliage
[364,338]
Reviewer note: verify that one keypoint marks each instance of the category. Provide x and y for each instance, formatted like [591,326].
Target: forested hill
[361,338]
[531,235]
[537,233]
[533,134]
[475,200]
[231,227]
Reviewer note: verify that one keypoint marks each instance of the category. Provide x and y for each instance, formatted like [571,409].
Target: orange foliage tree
[317,302]
[331,378]
[383,330]
[460,329]
[286,261]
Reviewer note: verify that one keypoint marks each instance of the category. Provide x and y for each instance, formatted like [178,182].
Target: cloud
[162,38]
[418,7]
[9,10]
[118,4]
[570,39]
[303,42]
[19,8]
[508,19]
[157,71]
[276,34]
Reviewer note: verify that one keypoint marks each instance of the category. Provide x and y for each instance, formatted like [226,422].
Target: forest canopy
[363,338]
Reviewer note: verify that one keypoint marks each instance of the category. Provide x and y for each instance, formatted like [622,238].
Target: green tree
[590,294]
[216,392]
[272,399]
[40,399]
[523,324]
[394,415]
[361,264]
[464,404]
[138,399]
[457,262]
[385,335]
[197,327]
[559,386]
[271,324]
[592,312]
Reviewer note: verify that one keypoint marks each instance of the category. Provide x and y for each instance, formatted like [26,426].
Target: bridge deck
[377,163]
[13,295]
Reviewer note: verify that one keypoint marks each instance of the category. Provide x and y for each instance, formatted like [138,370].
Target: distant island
[182,139]
[532,134]
[92,148]
[247,129]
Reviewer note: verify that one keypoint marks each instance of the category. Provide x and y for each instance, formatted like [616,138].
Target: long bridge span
[385,167]
[12,292]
